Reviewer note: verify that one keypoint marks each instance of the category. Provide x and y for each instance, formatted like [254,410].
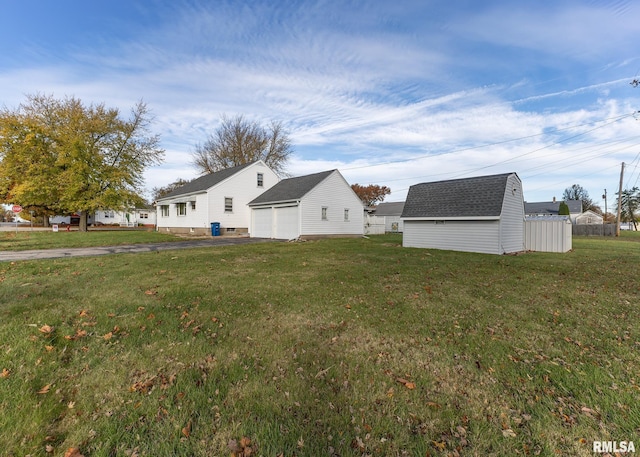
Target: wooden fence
[594,230]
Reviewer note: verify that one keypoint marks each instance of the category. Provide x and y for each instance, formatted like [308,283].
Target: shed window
[260,180]
[181,209]
[144,215]
[346,215]
[164,210]
[193,206]
[228,205]
[324,213]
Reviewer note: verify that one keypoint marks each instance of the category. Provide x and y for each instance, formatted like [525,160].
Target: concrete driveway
[10,256]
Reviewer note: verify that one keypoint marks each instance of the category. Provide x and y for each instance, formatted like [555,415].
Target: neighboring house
[219,197]
[589,218]
[392,212]
[128,218]
[316,205]
[551,208]
[482,214]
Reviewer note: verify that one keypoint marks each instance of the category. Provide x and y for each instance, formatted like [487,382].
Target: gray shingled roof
[291,189]
[203,183]
[575,206]
[389,209]
[469,197]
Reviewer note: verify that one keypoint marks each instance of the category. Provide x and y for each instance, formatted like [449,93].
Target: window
[106,214]
[228,205]
[346,215]
[181,209]
[144,215]
[324,213]
[193,206]
[164,210]
[260,180]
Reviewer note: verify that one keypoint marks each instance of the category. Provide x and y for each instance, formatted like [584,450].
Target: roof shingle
[205,182]
[291,189]
[468,197]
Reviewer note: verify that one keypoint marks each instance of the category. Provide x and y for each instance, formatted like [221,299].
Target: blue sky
[390,93]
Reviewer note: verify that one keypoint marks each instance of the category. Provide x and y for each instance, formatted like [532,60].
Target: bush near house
[344,347]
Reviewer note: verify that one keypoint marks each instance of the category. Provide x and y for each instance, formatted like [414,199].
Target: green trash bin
[215,229]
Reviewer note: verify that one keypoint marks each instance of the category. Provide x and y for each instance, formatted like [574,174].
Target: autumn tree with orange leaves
[371,194]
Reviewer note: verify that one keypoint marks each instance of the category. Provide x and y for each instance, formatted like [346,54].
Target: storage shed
[481,214]
[548,233]
[317,205]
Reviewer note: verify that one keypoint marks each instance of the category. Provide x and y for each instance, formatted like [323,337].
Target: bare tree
[238,141]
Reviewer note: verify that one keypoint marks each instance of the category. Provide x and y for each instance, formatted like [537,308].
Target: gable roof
[205,182]
[291,189]
[389,209]
[575,206]
[468,197]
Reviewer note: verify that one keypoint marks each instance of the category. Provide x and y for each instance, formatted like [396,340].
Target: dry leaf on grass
[5,373]
[46,329]
[408,384]
[45,389]
[508,433]
[73,452]
[186,430]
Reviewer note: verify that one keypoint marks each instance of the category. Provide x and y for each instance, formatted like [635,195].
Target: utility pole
[604,220]
[619,201]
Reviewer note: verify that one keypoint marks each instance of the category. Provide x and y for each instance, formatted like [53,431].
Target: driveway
[10,256]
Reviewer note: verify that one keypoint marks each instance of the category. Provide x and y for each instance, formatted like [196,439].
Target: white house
[482,214]
[589,218]
[219,197]
[127,218]
[317,205]
[392,212]
[552,208]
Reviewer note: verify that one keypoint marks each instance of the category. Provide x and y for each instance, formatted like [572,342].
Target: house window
[346,215]
[144,215]
[164,210]
[324,213]
[193,206]
[106,214]
[181,209]
[228,205]
[260,180]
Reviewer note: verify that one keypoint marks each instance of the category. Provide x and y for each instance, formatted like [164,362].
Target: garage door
[261,223]
[286,223]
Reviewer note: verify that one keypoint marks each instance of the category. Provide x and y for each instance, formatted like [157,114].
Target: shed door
[262,220]
[286,226]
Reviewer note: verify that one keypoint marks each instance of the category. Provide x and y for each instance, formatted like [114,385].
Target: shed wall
[468,236]
[512,218]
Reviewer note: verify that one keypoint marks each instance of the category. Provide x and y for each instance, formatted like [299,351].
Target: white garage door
[261,223]
[286,223]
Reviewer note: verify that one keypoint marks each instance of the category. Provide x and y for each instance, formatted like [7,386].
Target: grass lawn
[25,239]
[343,347]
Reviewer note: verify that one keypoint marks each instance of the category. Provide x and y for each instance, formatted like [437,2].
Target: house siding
[242,187]
[336,195]
[512,218]
[468,236]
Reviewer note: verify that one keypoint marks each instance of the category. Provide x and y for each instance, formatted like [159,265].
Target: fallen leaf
[5,373]
[186,430]
[433,404]
[84,313]
[150,292]
[49,348]
[107,336]
[49,449]
[45,389]
[408,384]
[46,329]
[441,445]
[508,433]
[73,452]
[71,404]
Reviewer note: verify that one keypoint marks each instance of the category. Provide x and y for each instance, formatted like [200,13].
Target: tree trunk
[83,227]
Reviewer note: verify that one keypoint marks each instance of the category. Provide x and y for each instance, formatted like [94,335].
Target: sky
[389,93]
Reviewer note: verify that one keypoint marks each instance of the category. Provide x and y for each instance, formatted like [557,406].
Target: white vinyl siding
[469,236]
[336,195]
[210,205]
[512,217]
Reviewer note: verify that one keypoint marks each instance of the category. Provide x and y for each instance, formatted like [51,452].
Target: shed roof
[389,209]
[205,182]
[468,197]
[291,189]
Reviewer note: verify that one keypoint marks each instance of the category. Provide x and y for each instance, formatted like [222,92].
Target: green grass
[345,347]
[25,240]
